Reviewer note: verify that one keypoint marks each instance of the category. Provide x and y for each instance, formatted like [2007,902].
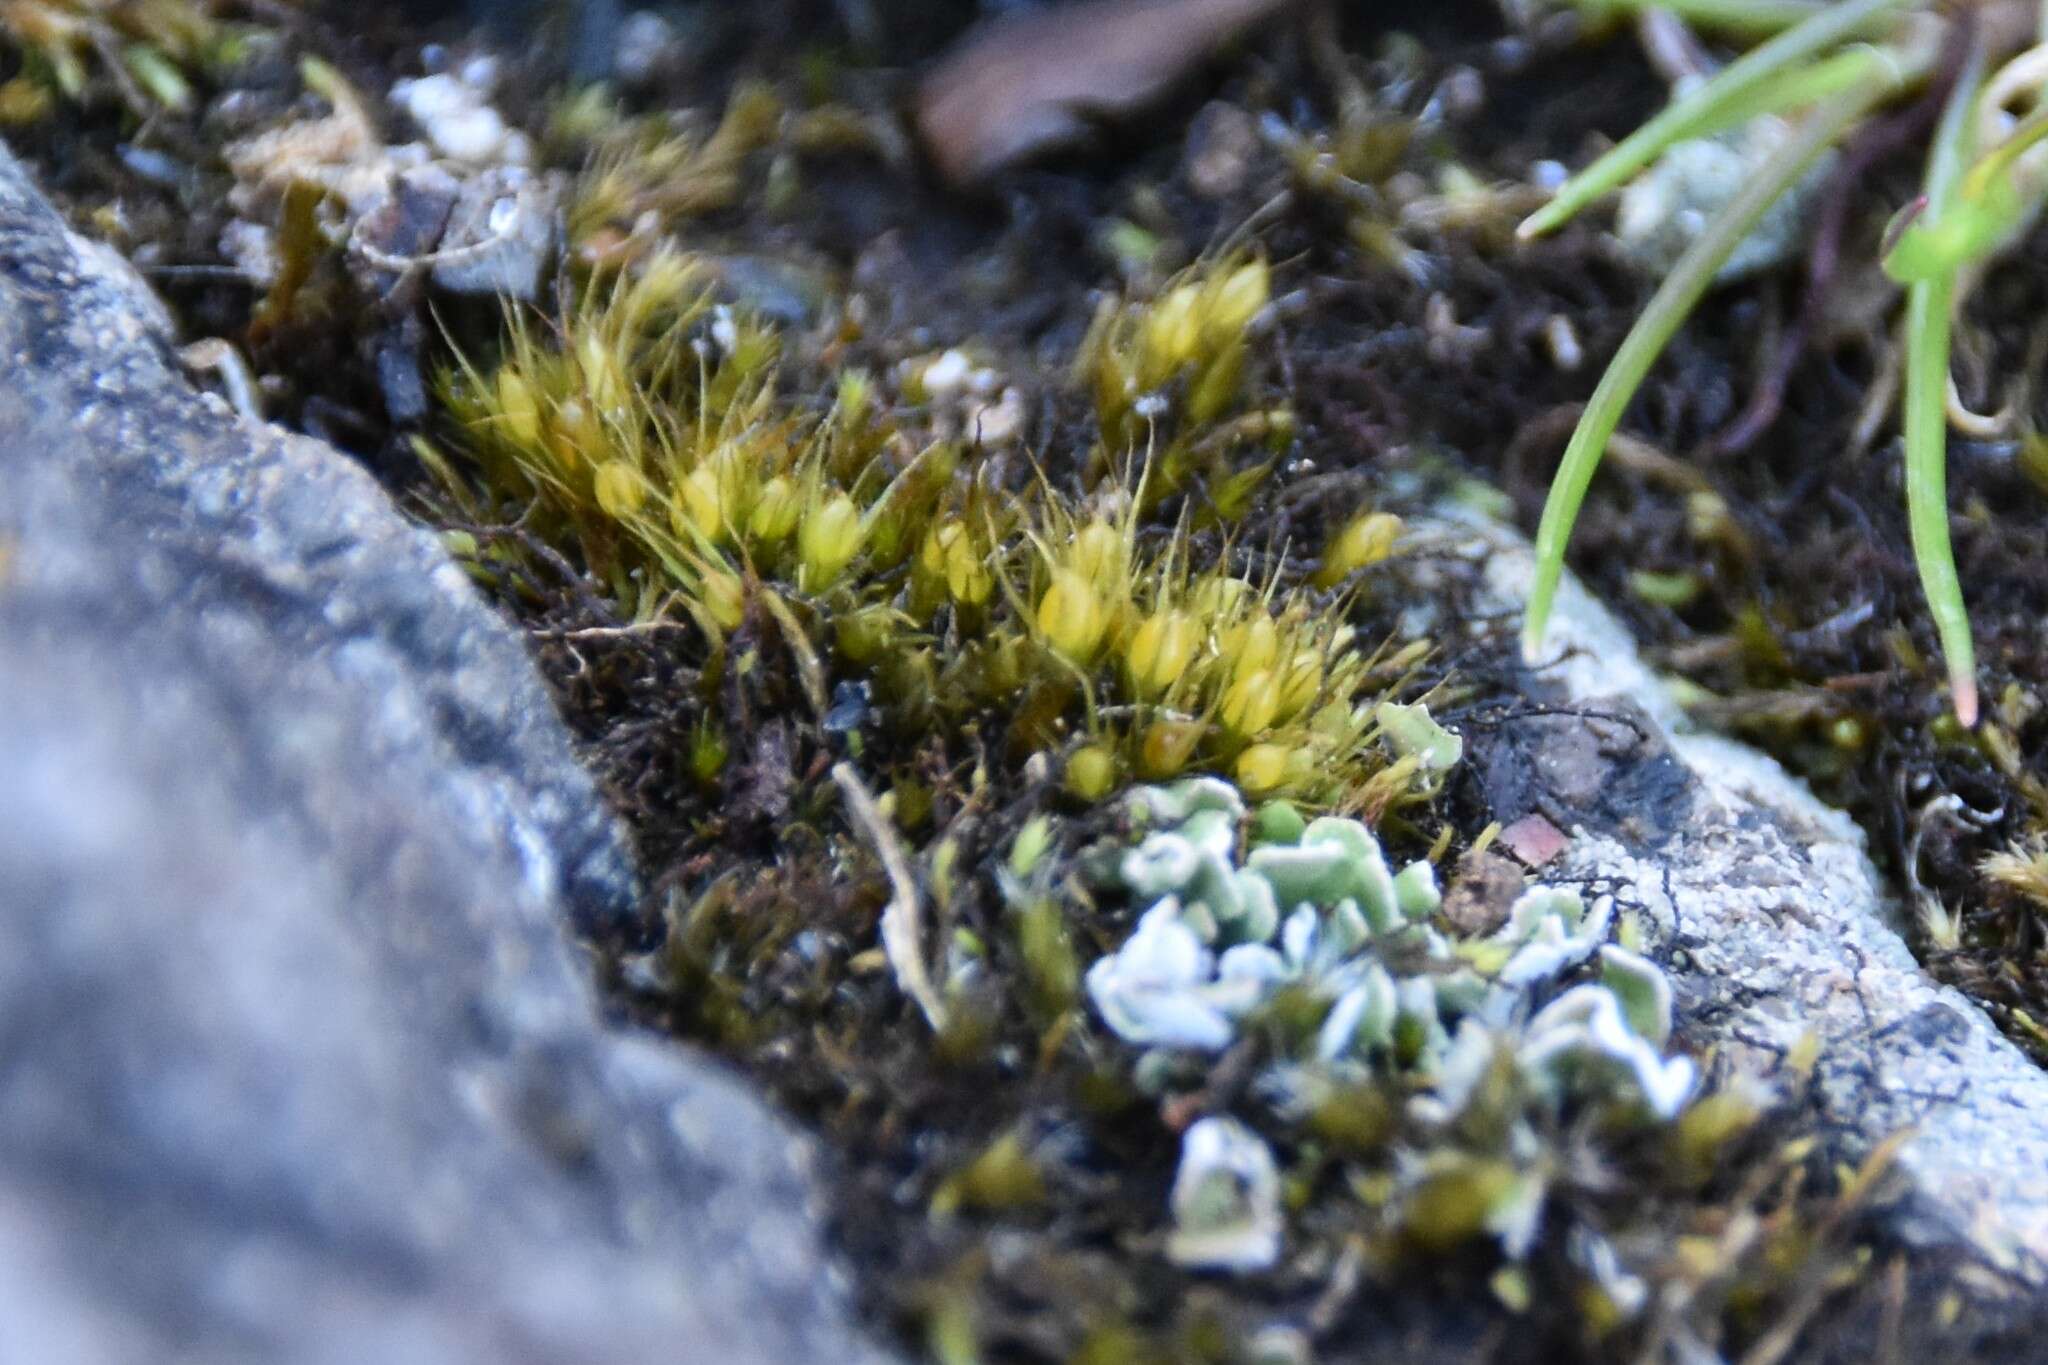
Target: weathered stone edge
[75,298]
[1773,921]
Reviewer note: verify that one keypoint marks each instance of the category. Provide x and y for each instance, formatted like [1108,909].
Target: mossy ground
[1799,614]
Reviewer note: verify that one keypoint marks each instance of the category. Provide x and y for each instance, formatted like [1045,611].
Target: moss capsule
[1250,703]
[1262,768]
[1099,554]
[620,489]
[1160,652]
[604,381]
[518,409]
[724,597]
[775,513]
[1300,683]
[701,503]
[1072,617]
[959,564]
[575,436]
[1364,540]
[827,542]
[1252,647]
[1234,301]
[1169,336]
[1091,772]
[863,635]
[1167,745]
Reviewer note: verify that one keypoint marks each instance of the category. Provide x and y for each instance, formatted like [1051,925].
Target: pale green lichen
[1505,1034]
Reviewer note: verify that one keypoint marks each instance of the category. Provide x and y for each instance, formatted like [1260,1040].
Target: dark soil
[1806,628]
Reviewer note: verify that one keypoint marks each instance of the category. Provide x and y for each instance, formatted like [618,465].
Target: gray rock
[297,1061]
[1766,909]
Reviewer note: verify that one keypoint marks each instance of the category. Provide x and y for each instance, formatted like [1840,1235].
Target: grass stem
[1668,308]
[1929,305]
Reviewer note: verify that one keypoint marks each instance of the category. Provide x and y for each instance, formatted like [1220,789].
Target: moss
[764,550]
[148,52]
[1167,376]
[647,175]
[1004,1178]
[715,684]
[2021,871]
[646,436]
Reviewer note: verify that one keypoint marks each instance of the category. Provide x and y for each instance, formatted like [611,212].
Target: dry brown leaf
[1026,83]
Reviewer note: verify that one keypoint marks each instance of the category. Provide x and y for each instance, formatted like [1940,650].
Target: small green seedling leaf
[1986,207]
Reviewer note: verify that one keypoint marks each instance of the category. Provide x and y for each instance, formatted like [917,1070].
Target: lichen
[1484,1048]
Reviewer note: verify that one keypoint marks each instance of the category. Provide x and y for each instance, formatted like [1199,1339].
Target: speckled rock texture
[298,1059]
[1772,920]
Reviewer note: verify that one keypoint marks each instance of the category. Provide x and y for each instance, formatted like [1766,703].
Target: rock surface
[297,1061]
[1772,921]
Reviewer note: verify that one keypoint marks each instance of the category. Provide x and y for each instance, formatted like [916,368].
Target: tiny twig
[638,628]
[404,264]
[902,918]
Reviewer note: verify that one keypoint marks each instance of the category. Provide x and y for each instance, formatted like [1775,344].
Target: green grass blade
[1672,303]
[1746,82]
[1929,303]
[1804,85]
[1926,438]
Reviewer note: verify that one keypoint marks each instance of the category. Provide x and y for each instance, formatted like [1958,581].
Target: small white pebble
[948,374]
[1563,341]
[252,248]
[480,73]
[998,423]
[455,119]
[724,330]
[644,42]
